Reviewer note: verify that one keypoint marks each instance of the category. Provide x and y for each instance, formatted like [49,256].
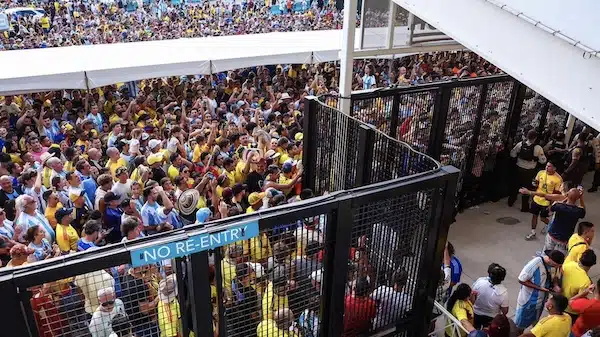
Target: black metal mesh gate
[469,123]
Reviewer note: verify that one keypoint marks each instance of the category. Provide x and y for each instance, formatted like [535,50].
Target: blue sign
[193,244]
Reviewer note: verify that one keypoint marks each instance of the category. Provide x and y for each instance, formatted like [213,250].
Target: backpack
[527,151]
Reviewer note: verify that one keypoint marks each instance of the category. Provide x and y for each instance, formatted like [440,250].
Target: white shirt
[387,305]
[172,145]
[538,152]
[100,193]
[90,283]
[122,190]
[100,324]
[490,297]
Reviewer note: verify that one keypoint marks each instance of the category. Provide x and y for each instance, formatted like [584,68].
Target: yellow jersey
[66,238]
[272,302]
[462,310]
[547,183]
[553,326]
[574,280]
[113,166]
[169,318]
[575,247]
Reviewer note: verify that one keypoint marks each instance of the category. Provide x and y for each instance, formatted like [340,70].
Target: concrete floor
[479,240]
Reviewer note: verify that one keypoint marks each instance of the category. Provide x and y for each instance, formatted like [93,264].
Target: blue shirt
[83,244]
[456,270]
[113,219]
[564,222]
[42,251]
[150,216]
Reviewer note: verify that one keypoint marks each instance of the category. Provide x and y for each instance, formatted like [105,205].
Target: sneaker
[593,189]
[545,229]
[530,236]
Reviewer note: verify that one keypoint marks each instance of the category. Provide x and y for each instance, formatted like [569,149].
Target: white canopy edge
[80,67]
[547,64]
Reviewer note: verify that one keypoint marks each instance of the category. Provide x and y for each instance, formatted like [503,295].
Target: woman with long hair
[460,305]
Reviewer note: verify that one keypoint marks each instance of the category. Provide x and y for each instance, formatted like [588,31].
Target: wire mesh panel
[460,124]
[384,261]
[415,115]
[271,283]
[531,114]
[557,117]
[336,137]
[375,111]
[393,159]
[481,181]
[143,300]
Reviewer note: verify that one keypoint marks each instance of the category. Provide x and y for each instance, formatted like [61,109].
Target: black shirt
[158,174]
[255,181]
[565,219]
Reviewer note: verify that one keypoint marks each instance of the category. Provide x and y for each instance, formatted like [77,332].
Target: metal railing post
[441,218]
[366,142]
[516,106]
[438,123]
[309,148]
[199,288]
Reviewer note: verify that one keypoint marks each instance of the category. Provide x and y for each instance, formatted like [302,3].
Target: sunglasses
[108,303]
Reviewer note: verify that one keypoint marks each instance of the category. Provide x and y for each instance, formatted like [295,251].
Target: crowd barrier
[378,230]
[470,123]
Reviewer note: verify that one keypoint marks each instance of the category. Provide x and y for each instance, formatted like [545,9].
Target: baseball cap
[255,197]
[153,143]
[299,137]
[61,213]
[145,136]
[287,167]
[154,158]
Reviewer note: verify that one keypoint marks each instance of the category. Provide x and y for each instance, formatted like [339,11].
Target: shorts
[553,244]
[537,209]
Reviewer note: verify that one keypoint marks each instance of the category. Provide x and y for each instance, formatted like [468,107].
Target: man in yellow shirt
[114,161]
[66,235]
[52,205]
[547,181]
[275,296]
[557,323]
[255,200]
[575,277]
[580,241]
[45,23]
[278,326]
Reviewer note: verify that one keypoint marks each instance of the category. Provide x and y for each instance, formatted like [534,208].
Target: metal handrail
[451,321]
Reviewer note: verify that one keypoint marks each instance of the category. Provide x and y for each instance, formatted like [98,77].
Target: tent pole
[347,54]
[211,74]
[87,81]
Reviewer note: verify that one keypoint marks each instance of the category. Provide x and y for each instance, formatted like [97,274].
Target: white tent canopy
[70,67]
[534,41]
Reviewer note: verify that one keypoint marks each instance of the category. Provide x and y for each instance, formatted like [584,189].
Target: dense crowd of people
[80,170]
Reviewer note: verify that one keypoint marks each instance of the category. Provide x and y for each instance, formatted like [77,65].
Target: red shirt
[358,313]
[589,315]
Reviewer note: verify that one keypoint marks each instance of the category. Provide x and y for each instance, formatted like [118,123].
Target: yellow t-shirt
[250,210]
[285,180]
[45,22]
[574,280]
[69,167]
[46,174]
[198,152]
[172,172]
[50,214]
[576,246]
[553,326]
[462,310]
[258,247]
[66,238]
[228,272]
[268,328]
[547,183]
[239,175]
[230,177]
[271,302]
[113,166]
[169,318]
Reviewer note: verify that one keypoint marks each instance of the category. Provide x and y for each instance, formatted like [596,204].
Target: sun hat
[187,202]
[167,289]
[154,158]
